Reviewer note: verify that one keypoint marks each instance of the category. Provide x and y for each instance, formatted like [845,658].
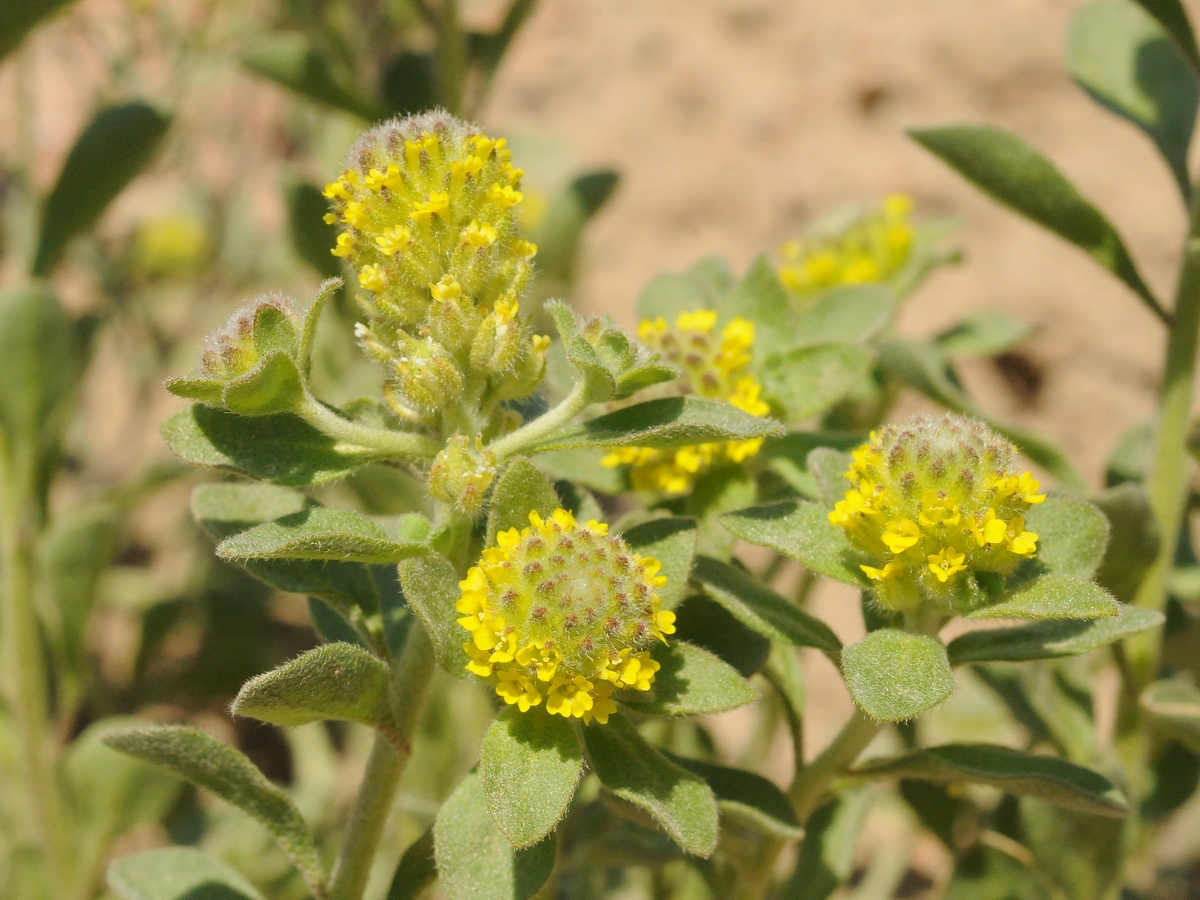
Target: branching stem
[531,434]
[380,442]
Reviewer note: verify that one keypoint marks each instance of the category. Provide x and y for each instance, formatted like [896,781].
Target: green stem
[377,441]
[531,434]
[1167,483]
[810,787]
[25,678]
[451,57]
[410,681]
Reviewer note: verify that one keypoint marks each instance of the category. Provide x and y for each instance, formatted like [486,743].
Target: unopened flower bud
[426,379]
[462,473]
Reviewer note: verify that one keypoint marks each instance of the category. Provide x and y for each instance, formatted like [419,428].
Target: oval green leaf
[1052,597]
[1051,640]
[691,682]
[672,541]
[319,533]
[177,873]
[894,676]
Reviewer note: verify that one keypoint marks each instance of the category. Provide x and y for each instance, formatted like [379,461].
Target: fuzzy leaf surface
[789,458]
[746,798]
[522,489]
[475,861]
[803,532]
[1052,597]
[177,873]
[1120,55]
[691,682]
[272,387]
[319,533]
[809,380]
[828,468]
[1133,539]
[894,676]
[667,423]
[530,764]
[982,333]
[113,149]
[1011,171]
[679,801]
[756,605]
[282,449]
[416,871]
[333,681]
[1051,639]
[852,314]
[206,762]
[1021,774]
[431,588]
[1175,706]
[672,541]
[1072,536]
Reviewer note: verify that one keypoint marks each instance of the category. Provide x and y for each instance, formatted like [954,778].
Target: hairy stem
[451,57]
[811,785]
[376,441]
[25,677]
[530,434]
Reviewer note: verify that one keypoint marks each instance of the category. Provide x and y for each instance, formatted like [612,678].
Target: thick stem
[25,678]
[377,441]
[451,57]
[810,787]
[531,434]
[410,680]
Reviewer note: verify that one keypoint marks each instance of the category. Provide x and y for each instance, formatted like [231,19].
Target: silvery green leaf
[894,675]
[318,533]
[522,489]
[691,682]
[802,531]
[177,873]
[1052,597]
[671,541]
[1051,639]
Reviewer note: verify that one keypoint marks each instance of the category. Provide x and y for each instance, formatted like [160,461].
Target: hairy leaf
[672,542]
[200,758]
[522,489]
[809,380]
[1072,536]
[319,533]
[530,764]
[1052,597]
[177,873]
[706,624]
[851,314]
[431,588]
[475,861]
[1052,639]
[746,798]
[416,871]
[803,532]
[826,859]
[1044,777]
[691,682]
[893,675]
[1133,541]
[676,799]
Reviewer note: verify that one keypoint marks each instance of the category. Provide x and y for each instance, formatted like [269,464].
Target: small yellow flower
[516,689]
[899,536]
[478,235]
[504,196]
[392,241]
[372,278]
[946,562]
[345,246]
[436,204]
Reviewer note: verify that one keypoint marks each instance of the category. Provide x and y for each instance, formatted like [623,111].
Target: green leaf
[1050,640]
[756,605]
[809,380]
[894,676]
[475,861]
[1175,707]
[44,356]
[852,314]
[672,541]
[1133,541]
[610,365]
[664,424]
[1044,777]
[319,533]
[333,681]
[828,468]
[802,531]
[312,237]
[282,448]
[273,386]
[416,871]
[1014,173]
[982,333]
[200,758]
[430,586]
[747,799]
[1081,856]
[289,60]
[680,802]
[761,298]
[530,764]
[789,457]
[1171,15]
[115,147]
[1120,55]
[1072,536]
[671,293]
[691,682]
[1052,597]
[177,873]
[706,624]
[20,17]
[830,847]
[522,489]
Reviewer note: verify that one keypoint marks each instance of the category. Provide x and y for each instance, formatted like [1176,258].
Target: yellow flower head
[870,247]
[713,365]
[934,500]
[563,613]
[426,209]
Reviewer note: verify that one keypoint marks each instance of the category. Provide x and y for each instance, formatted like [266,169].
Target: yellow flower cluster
[712,366]
[428,223]
[563,612]
[931,500]
[871,248]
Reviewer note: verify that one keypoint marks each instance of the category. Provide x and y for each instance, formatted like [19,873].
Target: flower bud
[253,332]
[935,500]
[426,380]
[462,473]
[563,613]
[713,365]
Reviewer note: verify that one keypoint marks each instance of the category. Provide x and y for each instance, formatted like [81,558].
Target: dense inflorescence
[873,247]
[935,500]
[564,613]
[712,365]
[427,208]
